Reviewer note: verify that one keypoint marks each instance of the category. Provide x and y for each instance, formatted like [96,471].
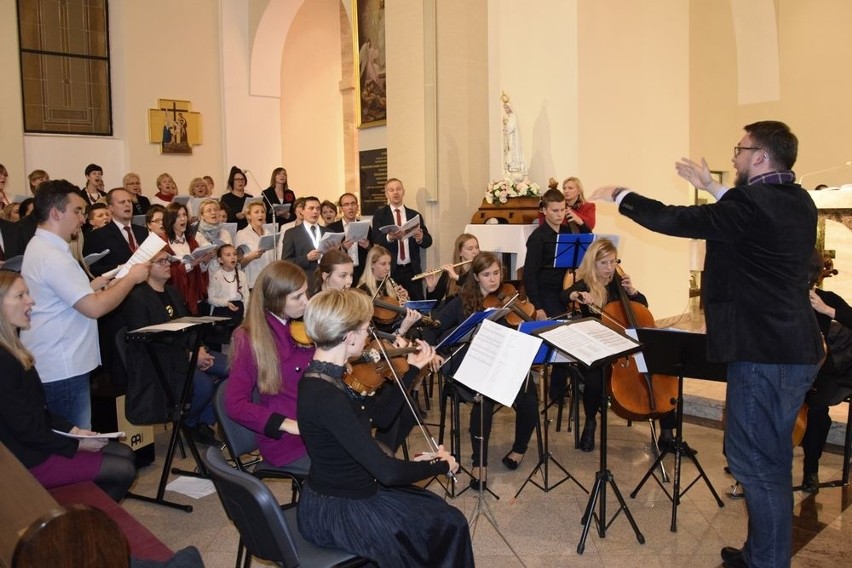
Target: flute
[438,270]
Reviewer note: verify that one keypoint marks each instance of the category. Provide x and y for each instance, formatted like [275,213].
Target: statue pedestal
[516,211]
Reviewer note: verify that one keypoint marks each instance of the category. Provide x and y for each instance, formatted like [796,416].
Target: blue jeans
[762,402]
[71,399]
[203,389]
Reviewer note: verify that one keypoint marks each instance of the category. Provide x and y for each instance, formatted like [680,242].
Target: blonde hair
[368,280]
[167,176]
[9,339]
[254,205]
[587,273]
[332,314]
[274,283]
[192,185]
[207,202]
[581,197]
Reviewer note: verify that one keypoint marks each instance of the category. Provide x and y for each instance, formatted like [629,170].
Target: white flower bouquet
[502,190]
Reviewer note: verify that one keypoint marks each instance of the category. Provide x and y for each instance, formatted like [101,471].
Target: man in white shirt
[63,335]
[357,251]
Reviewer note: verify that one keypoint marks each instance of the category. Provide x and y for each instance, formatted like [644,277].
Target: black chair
[268,531]
[241,441]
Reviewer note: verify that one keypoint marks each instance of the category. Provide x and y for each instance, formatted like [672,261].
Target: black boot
[587,439]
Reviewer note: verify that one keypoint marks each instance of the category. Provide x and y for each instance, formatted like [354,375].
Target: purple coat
[265,417]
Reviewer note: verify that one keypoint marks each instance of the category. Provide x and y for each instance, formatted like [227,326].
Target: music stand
[678,353]
[191,336]
[595,345]
[545,358]
[571,248]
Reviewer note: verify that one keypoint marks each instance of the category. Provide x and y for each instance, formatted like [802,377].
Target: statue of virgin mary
[514,165]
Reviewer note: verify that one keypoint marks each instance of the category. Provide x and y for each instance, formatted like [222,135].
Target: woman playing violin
[266,358]
[446,285]
[595,285]
[357,497]
[486,278]
[376,281]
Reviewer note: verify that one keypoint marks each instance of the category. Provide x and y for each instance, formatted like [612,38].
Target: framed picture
[174,126]
[370,67]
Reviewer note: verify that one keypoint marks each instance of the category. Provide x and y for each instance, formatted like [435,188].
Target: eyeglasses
[738,149]
[239,179]
[162,261]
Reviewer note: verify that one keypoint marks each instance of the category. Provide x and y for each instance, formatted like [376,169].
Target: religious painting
[370,63]
[174,126]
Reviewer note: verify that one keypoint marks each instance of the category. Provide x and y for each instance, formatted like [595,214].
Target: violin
[386,311]
[299,334]
[635,395]
[366,373]
[520,310]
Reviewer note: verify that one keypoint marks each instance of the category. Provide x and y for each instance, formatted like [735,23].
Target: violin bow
[430,440]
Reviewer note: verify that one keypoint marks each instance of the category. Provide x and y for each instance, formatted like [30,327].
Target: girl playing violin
[595,286]
[486,278]
[376,281]
[446,285]
[267,359]
[357,497]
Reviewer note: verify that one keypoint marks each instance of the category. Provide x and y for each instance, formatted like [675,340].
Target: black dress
[358,498]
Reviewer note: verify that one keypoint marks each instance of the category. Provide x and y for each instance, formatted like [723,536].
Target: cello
[636,395]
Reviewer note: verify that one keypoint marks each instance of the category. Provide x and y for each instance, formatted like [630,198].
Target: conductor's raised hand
[693,172]
[603,194]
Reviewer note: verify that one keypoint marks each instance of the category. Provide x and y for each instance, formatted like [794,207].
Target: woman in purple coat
[266,359]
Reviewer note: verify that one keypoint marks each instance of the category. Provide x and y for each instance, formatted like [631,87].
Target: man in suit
[357,251]
[11,241]
[760,237]
[120,235]
[301,243]
[405,251]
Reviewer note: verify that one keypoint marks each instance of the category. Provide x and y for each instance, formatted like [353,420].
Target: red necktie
[130,240]
[401,241]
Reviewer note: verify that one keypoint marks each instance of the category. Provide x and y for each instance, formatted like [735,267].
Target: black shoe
[733,557]
[587,439]
[810,483]
[665,443]
[474,484]
[510,463]
[203,434]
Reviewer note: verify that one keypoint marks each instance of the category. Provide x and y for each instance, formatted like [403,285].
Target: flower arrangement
[500,191]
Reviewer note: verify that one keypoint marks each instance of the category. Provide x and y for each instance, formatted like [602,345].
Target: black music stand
[544,357]
[192,337]
[457,340]
[606,352]
[678,353]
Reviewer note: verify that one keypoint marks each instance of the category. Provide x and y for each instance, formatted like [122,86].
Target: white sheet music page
[145,252]
[588,341]
[497,362]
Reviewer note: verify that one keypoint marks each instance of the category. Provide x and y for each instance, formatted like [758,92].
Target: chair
[268,531]
[240,441]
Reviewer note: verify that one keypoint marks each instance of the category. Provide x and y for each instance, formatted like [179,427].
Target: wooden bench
[67,526]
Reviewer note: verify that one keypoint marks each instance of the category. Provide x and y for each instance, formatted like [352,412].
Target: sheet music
[497,362]
[357,230]
[145,252]
[588,341]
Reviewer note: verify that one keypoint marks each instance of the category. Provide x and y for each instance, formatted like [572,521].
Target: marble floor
[544,528]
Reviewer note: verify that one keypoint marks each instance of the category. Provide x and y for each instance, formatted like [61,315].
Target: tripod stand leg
[589,515]
[639,536]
